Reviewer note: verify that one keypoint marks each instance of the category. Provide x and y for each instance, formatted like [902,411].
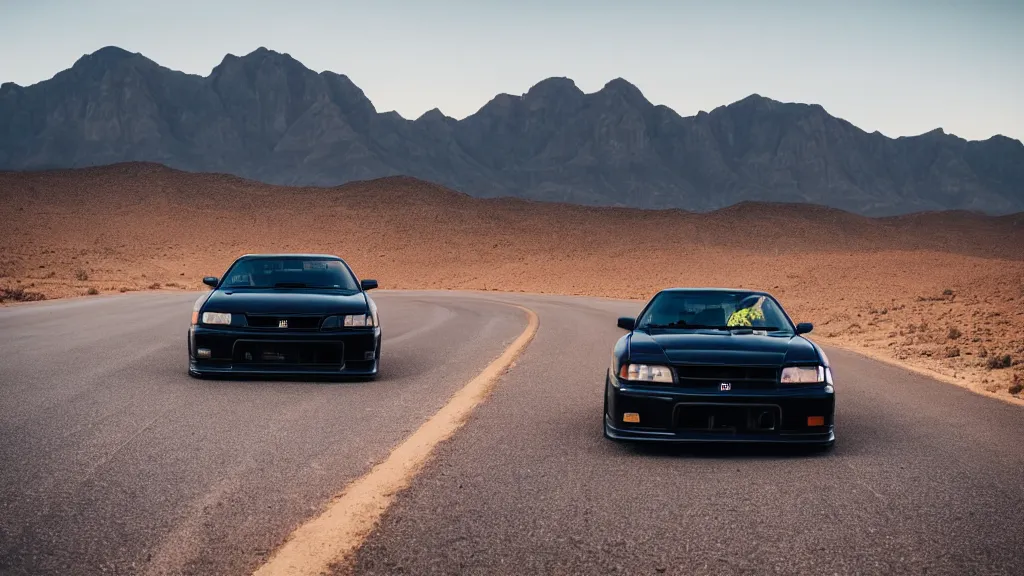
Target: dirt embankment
[941,291]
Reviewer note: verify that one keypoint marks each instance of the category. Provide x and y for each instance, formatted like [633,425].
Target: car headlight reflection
[357,320]
[646,373]
[805,374]
[216,318]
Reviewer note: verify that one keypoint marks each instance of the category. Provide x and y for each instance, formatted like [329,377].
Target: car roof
[716,289]
[289,255]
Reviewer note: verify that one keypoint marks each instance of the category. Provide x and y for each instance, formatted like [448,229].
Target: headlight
[803,374]
[646,373]
[358,320]
[216,318]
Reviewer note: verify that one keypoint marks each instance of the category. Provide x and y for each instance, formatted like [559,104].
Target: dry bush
[1018,383]
[999,362]
[19,294]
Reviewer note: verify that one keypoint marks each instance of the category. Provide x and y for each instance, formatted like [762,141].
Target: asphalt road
[112,460]
[925,478]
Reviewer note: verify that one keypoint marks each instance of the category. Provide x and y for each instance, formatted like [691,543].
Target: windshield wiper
[310,286]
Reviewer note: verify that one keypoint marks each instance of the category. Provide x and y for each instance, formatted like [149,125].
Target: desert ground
[941,293]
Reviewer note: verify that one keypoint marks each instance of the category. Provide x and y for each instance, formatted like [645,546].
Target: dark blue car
[300,314]
[718,365]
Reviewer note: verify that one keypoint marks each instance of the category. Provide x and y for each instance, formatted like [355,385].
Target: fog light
[631,417]
[368,355]
[202,352]
[815,420]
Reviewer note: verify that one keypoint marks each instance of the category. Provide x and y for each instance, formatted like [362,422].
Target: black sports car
[717,365]
[286,314]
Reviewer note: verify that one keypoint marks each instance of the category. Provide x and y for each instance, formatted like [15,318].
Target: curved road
[113,461]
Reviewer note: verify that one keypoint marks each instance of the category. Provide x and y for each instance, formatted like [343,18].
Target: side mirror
[627,323]
[804,327]
[367,284]
[210,281]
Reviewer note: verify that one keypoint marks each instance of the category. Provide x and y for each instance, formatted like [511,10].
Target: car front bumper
[778,416]
[256,352]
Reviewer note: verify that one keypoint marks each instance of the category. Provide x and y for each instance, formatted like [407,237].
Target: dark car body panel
[286,301]
[286,331]
[228,347]
[713,347]
[698,407]
[661,418]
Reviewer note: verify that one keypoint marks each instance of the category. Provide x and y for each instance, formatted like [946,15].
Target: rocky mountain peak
[266,116]
[554,87]
[622,88]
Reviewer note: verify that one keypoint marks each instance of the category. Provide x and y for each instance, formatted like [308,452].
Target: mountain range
[267,117]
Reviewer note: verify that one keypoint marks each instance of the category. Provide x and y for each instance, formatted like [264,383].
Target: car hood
[720,347]
[272,301]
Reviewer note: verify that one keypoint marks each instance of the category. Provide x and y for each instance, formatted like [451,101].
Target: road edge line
[351,516]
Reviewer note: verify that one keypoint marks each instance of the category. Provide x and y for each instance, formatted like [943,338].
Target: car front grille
[288,352]
[709,376]
[291,321]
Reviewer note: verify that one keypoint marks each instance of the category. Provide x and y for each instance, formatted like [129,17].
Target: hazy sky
[900,67]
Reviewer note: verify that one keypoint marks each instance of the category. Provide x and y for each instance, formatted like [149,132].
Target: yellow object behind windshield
[746,316]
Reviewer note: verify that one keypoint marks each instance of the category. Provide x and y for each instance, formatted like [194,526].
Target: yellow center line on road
[333,536]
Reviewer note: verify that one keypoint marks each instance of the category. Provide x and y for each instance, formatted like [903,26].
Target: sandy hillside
[940,291]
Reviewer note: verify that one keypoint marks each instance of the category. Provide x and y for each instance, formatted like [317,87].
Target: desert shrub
[19,295]
[947,292]
[952,352]
[92,291]
[123,289]
[998,362]
[154,286]
[1017,386]
[81,275]
[954,333]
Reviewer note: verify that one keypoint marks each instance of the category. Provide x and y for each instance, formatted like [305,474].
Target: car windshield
[722,310]
[290,272]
